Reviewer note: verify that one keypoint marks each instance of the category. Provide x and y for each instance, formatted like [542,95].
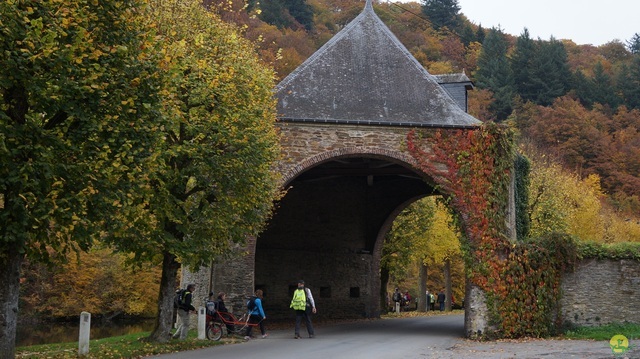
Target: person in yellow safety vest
[303,303]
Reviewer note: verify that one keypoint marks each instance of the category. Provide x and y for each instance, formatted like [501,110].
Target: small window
[354,292]
[325,292]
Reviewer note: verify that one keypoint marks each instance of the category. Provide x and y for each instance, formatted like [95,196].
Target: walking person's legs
[299,314]
[307,319]
[183,328]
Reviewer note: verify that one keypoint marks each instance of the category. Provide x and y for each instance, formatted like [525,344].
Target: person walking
[441,299]
[303,303]
[184,309]
[397,299]
[256,314]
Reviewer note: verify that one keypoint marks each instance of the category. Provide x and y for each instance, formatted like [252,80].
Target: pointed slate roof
[364,75]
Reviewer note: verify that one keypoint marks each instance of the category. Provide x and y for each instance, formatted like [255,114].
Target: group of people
[302,303]
[401,300]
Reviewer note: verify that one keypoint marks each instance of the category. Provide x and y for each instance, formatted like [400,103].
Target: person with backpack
[397,299]
[303,303]
[256,314]
[183,302]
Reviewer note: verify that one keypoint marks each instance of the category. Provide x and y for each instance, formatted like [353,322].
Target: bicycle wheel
[214,331]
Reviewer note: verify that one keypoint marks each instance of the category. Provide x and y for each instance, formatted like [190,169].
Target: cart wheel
[214,331]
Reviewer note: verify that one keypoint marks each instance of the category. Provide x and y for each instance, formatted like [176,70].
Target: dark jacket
[186,302]
[220,305]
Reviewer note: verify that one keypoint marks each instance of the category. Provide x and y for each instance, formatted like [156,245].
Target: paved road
[438,337]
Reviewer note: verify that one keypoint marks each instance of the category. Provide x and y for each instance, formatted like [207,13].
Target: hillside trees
[286,13]
[442,13]
[98,281]
[77,119]
[213,184]
[634,44]
[551,73]
[494,73]
[521,62]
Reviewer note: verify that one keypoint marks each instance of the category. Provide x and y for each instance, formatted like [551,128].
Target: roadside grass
[126,346]
[604,332]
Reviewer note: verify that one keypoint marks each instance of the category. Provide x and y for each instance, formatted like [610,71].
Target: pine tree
[582,87]
[551,76]
[522,66]
[603,89]
[442,13]
[629,83]
[495,74]
[634,44]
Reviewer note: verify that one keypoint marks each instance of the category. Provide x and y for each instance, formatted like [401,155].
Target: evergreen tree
[301,11]
[480,34]
[442,13]
[634,44]
[467,34]
[286,13]
[603,89]
[582,87]
[522,66]
[495,74]
[551,76]
[629,83]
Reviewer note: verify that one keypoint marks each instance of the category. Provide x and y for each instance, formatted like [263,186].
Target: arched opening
[327,230]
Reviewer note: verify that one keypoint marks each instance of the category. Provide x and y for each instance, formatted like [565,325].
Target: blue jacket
[257,309]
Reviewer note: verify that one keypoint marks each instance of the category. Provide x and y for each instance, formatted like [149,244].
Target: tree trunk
[384,282]
[447,285]
[164,320]
[422,289]
[10,263]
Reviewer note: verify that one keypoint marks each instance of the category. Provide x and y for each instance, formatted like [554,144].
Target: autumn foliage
[521,279]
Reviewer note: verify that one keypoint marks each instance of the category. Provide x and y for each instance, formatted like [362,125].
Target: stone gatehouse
[344,116]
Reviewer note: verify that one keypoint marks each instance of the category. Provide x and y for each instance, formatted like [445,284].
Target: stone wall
[600,292]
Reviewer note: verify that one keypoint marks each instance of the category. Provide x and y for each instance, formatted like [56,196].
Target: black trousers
[300,314]
[253,319]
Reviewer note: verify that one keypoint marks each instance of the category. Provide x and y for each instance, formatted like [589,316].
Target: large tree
[214,182]
[551,74]
[442,13]
[77,93]
[495,74]
[521,63]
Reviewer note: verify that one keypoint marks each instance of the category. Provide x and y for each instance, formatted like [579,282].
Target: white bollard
[398,307]
[85,331]
[202,321]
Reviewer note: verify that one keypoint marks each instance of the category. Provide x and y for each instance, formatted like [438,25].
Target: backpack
[396,297]
[251,304]
[177,300]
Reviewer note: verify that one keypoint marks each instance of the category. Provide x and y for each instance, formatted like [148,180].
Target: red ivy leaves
[472,167]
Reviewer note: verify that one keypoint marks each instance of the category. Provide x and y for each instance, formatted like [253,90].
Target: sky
[583,21]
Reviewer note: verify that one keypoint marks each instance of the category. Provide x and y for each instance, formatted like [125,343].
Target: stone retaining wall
[600,292]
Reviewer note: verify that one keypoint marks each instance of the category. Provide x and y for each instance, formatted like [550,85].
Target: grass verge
[605,332]
[126,346]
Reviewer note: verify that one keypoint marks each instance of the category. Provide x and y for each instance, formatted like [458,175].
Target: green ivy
[614,251]
[522,167]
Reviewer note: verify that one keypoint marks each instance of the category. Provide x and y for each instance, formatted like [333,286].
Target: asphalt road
[439,336]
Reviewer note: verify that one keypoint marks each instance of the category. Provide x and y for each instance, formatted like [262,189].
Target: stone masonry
[600,292]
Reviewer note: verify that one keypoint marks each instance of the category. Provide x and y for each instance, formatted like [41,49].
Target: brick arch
[399,157]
